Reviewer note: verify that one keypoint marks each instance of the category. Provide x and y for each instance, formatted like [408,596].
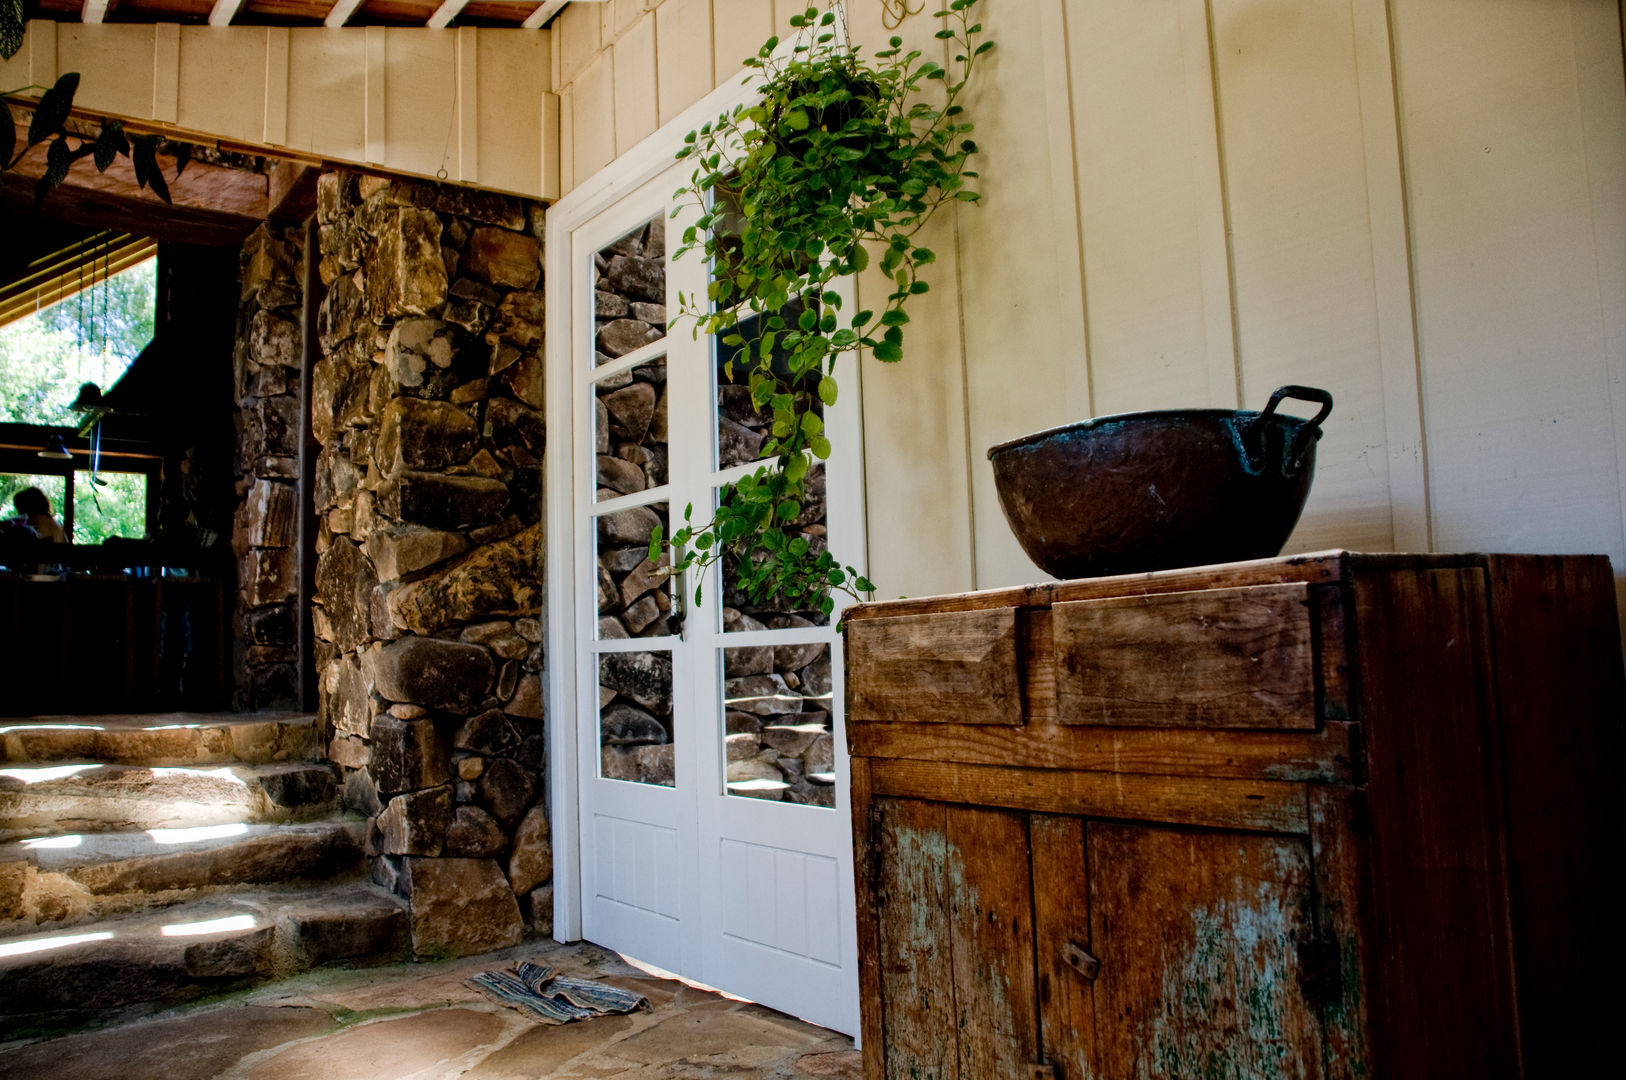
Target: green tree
[90,337]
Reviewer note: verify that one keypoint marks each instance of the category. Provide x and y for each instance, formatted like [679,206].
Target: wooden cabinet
[1337,815]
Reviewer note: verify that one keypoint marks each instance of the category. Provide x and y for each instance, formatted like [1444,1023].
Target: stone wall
[426,403]
[266,364]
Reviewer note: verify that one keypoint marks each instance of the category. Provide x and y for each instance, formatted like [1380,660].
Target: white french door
[707,810]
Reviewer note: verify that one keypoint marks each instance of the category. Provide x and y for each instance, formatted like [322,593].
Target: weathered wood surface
[1558,677]
[915,957]
[1333,675]
[1198,935]
[1442,997]
[1061,917]
[866,818]
[1265,805]
[991,919]
[954,668]
[1225,658]
[1342,885]
[1329,755]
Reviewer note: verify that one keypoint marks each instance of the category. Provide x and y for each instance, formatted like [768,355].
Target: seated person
[35,511]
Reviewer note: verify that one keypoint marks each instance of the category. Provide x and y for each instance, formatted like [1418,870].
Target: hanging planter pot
[1159,490]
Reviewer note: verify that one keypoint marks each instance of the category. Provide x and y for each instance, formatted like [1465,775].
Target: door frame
[599,193]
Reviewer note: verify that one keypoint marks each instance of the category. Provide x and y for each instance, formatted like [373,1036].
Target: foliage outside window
[92,336]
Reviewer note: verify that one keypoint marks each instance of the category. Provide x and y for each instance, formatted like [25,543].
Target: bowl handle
[1311,428]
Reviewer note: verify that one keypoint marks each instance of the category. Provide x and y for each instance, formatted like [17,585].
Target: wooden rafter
[224,12]
[341,11]
[95,11]
[544,12]
[448,10]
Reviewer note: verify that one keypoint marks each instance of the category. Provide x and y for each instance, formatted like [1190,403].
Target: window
[91,336]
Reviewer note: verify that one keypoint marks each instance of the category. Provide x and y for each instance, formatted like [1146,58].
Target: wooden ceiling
[500,13]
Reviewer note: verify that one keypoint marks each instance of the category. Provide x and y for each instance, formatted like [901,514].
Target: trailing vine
[840,157]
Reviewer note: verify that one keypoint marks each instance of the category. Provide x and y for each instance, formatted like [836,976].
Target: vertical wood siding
[1417,204]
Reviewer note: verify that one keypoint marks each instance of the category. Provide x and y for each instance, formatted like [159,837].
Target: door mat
[552,998]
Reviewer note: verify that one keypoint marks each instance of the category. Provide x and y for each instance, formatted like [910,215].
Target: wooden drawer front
[1224,658]
[956,667]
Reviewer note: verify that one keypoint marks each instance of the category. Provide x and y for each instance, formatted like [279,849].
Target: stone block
[345,579]
[502,257]
[525,379]
[460,907]
[432,672]
[414,433]
[498,636]
[415,823]
[508,424]
[349,752]
[527,700]
[519,320]
[506,790]
[443,502]
[405,273]
[490,732]
[361,793]
[474,834]
[272,625]
[538,910]
[531,863]
[408,755]
[267,576]
[399,550]
[637,278]
[640,764]
[501,578]
[274,342]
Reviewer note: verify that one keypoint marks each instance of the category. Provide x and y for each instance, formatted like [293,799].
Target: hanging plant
[50,124]
[841,159]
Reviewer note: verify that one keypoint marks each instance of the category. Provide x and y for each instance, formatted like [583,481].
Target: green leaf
[887,352]
[109,144]
[53,109]
[895,317]
[860,258]
[12,28]
[58,159]
[788,510]
[827,390]
[655,544]
[820,447]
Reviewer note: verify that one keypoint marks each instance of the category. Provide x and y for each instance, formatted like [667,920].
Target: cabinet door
[1201,938]
[955,915]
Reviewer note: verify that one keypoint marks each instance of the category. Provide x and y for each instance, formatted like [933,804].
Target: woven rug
[541,991]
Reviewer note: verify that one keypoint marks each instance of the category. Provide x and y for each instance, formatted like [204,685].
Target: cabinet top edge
[1318,567]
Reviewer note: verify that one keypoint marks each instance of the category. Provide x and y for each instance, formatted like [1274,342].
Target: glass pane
[739,613]
[634,594]
[629,283]
[92,336]
[741,426]
[776,714]
[116,506]
[635,717]
[629,426]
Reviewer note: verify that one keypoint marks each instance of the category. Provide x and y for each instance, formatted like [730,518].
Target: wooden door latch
[1080,960]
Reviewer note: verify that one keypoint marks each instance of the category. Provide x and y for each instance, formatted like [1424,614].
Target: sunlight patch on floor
[209,926]
[22,948]
[200,832]
[49,772]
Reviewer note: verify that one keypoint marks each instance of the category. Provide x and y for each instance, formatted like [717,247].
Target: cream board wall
[1416,204]
[475,103]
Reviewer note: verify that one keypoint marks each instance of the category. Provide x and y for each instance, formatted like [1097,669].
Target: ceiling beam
[224,12]
[95,11]
[340,12]
[542,14]
[444,14]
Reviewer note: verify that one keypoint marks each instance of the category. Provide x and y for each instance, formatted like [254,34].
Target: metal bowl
[1157,490]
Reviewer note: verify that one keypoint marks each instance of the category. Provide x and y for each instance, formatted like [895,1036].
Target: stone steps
[80,797]
[75,878]
[161,739]
[206,946]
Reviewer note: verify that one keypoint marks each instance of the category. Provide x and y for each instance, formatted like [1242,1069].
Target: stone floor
[420,1022]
